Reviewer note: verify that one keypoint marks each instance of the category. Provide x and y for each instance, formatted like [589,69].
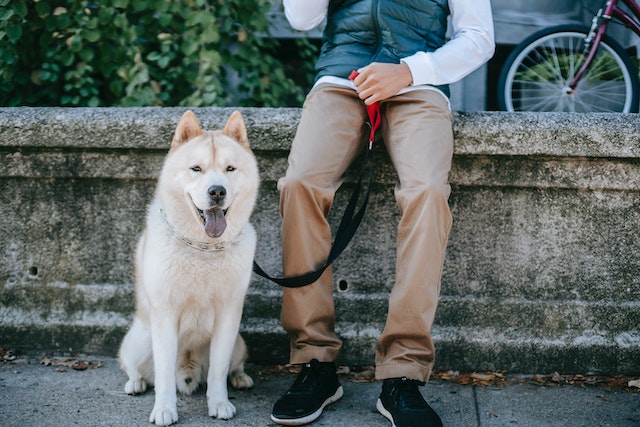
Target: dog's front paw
[163,416]
[239,379]
[222,409]
[135,386]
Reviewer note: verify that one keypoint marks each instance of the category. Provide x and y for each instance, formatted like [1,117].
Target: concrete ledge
[542,272]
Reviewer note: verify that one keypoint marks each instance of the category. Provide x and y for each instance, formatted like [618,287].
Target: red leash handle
[373,111]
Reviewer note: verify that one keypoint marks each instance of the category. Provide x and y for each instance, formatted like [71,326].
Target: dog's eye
[231,168]
[196,168]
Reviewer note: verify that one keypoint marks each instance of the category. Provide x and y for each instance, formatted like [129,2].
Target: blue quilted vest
[359,32]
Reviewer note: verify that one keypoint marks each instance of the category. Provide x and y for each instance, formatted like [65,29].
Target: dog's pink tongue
[214,222]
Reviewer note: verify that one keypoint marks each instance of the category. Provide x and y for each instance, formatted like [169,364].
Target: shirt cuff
[421,67]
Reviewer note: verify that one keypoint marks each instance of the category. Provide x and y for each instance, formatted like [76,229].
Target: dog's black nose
[217,192]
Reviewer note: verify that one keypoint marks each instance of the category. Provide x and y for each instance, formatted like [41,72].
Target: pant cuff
[306,355]
[412,371]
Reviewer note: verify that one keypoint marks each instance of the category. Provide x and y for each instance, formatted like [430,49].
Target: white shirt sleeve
[304,15]
[471,45]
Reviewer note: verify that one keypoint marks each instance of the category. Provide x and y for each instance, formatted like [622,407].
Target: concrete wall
[542,270]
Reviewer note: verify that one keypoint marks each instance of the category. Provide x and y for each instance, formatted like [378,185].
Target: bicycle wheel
[536,75]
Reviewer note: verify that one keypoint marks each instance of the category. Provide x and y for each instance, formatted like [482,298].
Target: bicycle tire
[536,75]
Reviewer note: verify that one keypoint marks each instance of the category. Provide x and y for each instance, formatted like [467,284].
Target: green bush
[145,53]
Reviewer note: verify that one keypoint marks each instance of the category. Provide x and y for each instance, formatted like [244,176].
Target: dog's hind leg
[136,358]
[190,367]
[237,377]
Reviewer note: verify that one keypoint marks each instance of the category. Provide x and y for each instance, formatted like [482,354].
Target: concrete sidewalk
[32,394]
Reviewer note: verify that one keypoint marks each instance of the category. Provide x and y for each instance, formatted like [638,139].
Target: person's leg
[417,132]
[328,138]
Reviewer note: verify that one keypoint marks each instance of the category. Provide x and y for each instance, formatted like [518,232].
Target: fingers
[379,81]
[368,84]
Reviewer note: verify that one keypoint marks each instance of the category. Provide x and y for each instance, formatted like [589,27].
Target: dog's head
[213,174]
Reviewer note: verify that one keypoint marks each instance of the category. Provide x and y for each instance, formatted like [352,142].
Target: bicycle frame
[599,27]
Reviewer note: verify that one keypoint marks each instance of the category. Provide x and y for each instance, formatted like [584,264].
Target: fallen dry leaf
[7,356]
[364,376]
[343,370]
[494,379]
[482,377]
[78,365]
[45,361]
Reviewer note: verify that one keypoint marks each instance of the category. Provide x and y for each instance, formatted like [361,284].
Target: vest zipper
[375,13]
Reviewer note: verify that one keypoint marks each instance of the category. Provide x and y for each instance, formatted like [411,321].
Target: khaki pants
[417,132]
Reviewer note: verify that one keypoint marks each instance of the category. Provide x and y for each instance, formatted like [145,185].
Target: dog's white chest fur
[195,282]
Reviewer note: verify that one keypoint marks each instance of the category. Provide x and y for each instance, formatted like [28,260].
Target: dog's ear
[236,129]
[187,129]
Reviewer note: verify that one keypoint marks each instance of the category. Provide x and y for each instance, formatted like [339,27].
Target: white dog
[193,266]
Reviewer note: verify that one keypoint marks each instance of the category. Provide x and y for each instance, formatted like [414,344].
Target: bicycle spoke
[556,62]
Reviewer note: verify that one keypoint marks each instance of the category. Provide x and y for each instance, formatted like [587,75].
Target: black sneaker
[402,403]
[316,386]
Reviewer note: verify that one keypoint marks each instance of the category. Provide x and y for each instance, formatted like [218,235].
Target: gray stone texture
[542,270]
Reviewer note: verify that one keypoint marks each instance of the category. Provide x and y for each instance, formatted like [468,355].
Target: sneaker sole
[380,407]
[311,417]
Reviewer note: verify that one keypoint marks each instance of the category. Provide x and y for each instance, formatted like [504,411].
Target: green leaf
[122,4]
[139,5]
[20,7]
[211,57]
[66,58]
[120,21]
[7,57]
[14,33]
[210,35]
[62,21]
[87,54]
[92,23]
[189,47]
[47,76]
[94,101]
[210,98]
[6,14]
[92,36]
[163,62]
[164,19]
[75,43]
[42,8]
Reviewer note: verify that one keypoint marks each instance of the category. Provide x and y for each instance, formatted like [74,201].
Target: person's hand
[379,81]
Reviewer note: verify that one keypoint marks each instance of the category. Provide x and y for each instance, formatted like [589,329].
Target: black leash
[346,230]
[349,222]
